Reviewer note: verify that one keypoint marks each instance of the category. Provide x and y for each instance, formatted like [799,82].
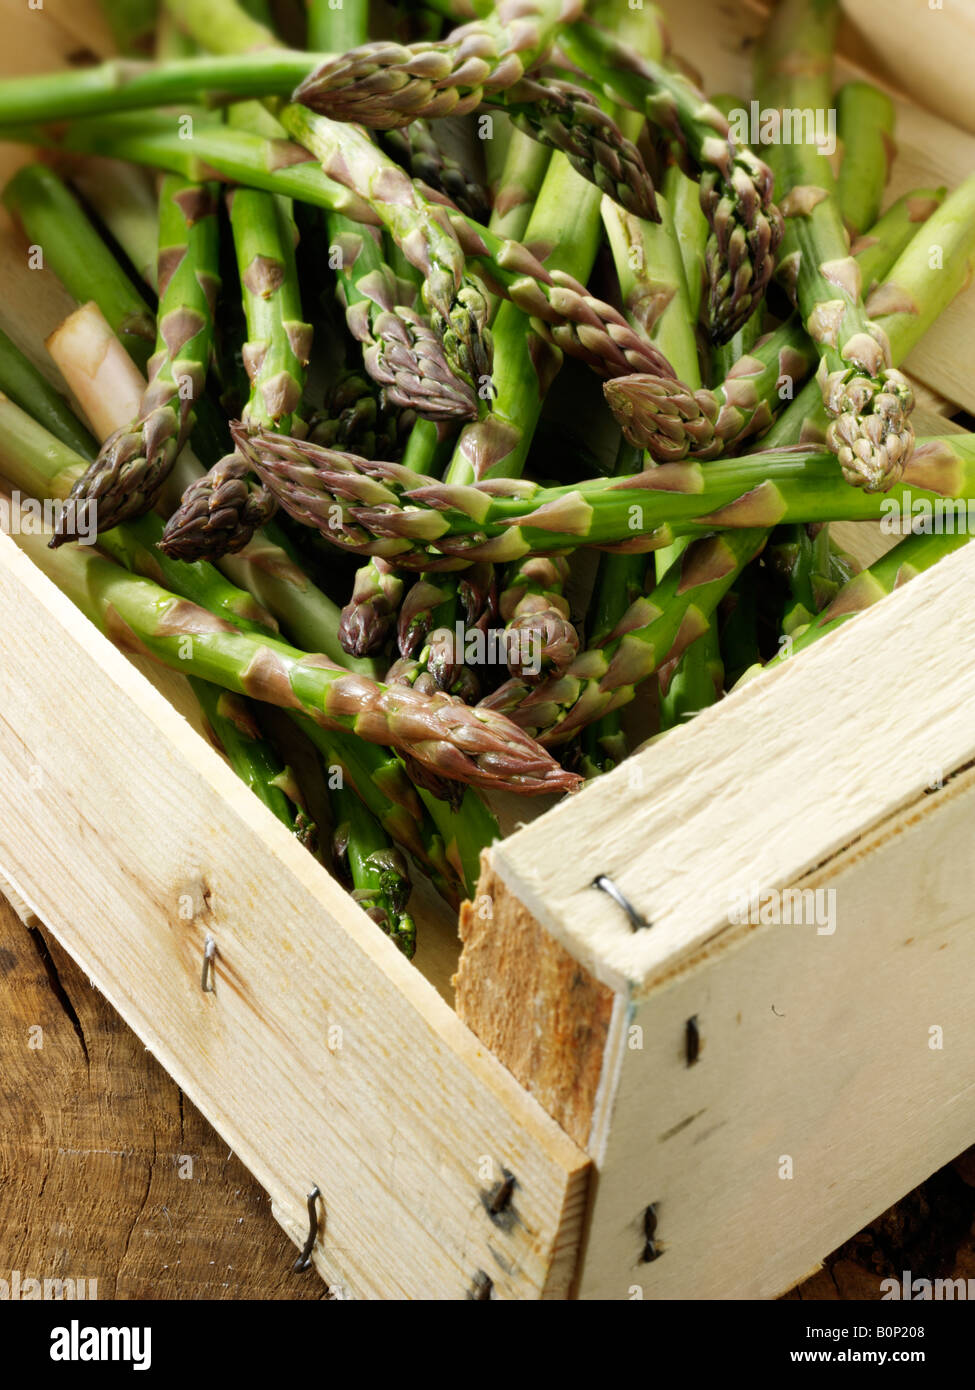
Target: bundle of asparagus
[470,295]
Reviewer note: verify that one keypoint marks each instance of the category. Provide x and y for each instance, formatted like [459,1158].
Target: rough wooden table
[108,1172]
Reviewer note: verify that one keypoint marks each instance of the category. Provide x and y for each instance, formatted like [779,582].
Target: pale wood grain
[924,49]
[395,1126]
[772,781]
[812,1047]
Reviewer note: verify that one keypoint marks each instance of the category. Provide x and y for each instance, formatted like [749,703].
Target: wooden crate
[682,1067]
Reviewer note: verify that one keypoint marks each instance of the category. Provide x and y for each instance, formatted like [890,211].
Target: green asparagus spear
[384,85]
[441,733]
[735,186]
[220,512]
[126,478]
[911,295]
[910,557]
[865,123]
[868,401]
[44,206]
[371,507]
[235,733]
[674,420]
[374,871]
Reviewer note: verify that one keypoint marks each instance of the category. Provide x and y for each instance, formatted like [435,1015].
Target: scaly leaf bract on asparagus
[125,480]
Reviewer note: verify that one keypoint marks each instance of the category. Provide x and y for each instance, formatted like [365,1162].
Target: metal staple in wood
[303,1262]
[606,885]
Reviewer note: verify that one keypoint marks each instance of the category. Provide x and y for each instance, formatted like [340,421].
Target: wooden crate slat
[399,1124]
[763,786]
[863,1120]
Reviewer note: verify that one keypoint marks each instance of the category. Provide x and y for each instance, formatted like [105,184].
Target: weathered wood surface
[92,1110]
[107,1171]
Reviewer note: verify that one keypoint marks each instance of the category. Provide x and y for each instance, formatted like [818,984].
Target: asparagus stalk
[907,559]
[654,632]
[372,869]
[691,230]
[236,156]
[384,85]
[735,186]
[441,733]
[674,419]
[911,296]
[868,401]
[692,680]
[691,683]
[220,512]
[45,208]
[365,505]
[279,341]
[522,175]
[566,117]
[377,596]
[804,557]
[535,610]
[454,301]
[235,733]
[126,478]
[620,583]
[28,388]
[400,350]
[125,84]
[565,224]
[865,122]
[724,356]
[561,308]
[417,149]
